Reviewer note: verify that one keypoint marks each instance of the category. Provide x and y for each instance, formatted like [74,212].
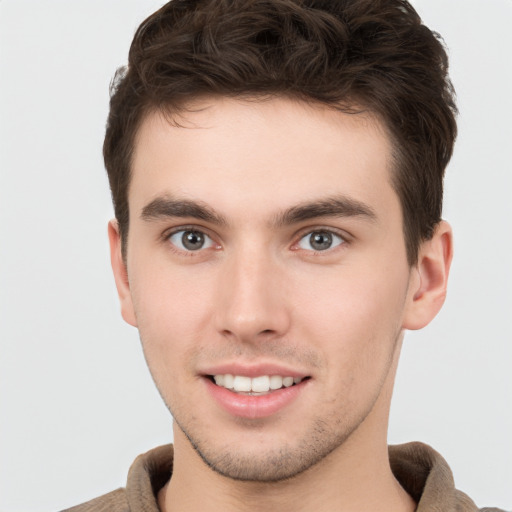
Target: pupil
[321,241]
[192,240]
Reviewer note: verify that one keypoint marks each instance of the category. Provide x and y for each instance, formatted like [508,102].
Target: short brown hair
[374,54]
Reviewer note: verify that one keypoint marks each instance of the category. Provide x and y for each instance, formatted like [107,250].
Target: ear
[120,274]
[429,278]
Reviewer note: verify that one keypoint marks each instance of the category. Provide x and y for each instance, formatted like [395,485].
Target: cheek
[350,299]
[354,317]
[172,310]
[170,299]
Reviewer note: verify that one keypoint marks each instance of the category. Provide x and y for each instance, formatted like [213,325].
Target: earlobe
[429,278]
[120,274]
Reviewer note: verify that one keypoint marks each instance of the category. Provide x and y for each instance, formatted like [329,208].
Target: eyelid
[345,237]
[167,234]
[185,227]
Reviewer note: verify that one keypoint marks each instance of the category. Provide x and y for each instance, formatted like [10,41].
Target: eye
[320,240]
[190,240]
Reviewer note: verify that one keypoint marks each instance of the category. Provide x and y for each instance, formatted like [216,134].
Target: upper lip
[253,370]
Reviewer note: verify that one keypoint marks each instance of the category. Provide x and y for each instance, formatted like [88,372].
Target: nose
[251,303]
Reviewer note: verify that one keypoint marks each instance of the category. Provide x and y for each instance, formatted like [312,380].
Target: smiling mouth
[255,386]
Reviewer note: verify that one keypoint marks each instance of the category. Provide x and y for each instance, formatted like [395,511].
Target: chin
[267,464]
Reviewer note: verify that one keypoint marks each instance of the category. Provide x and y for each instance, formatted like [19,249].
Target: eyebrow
[163,207]
[338,206]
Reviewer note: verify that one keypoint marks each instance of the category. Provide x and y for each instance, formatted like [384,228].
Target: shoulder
[114,501]
[426,476]
[147,475]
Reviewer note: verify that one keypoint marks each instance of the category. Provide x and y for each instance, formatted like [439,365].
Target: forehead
[266,154]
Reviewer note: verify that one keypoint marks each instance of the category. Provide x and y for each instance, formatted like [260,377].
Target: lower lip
[254,406]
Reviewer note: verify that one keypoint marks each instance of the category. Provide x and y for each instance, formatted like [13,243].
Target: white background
[76,401]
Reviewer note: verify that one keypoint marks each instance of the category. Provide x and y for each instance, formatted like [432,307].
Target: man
[276,170]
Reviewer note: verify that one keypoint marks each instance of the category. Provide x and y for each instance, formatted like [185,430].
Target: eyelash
[295,246]
[166,237]
[344,240]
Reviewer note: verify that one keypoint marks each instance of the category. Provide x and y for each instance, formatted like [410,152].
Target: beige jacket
[421,471]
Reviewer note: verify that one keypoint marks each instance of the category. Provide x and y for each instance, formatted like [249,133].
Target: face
[268,277]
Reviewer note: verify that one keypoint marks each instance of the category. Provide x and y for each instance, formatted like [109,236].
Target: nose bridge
[251,302]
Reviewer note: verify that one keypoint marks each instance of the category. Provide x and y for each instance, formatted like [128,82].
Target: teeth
[261,384]
[228,381]
[242,383]
[276,382]
[287,382]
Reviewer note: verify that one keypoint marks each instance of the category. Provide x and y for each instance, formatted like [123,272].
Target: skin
[258,293]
